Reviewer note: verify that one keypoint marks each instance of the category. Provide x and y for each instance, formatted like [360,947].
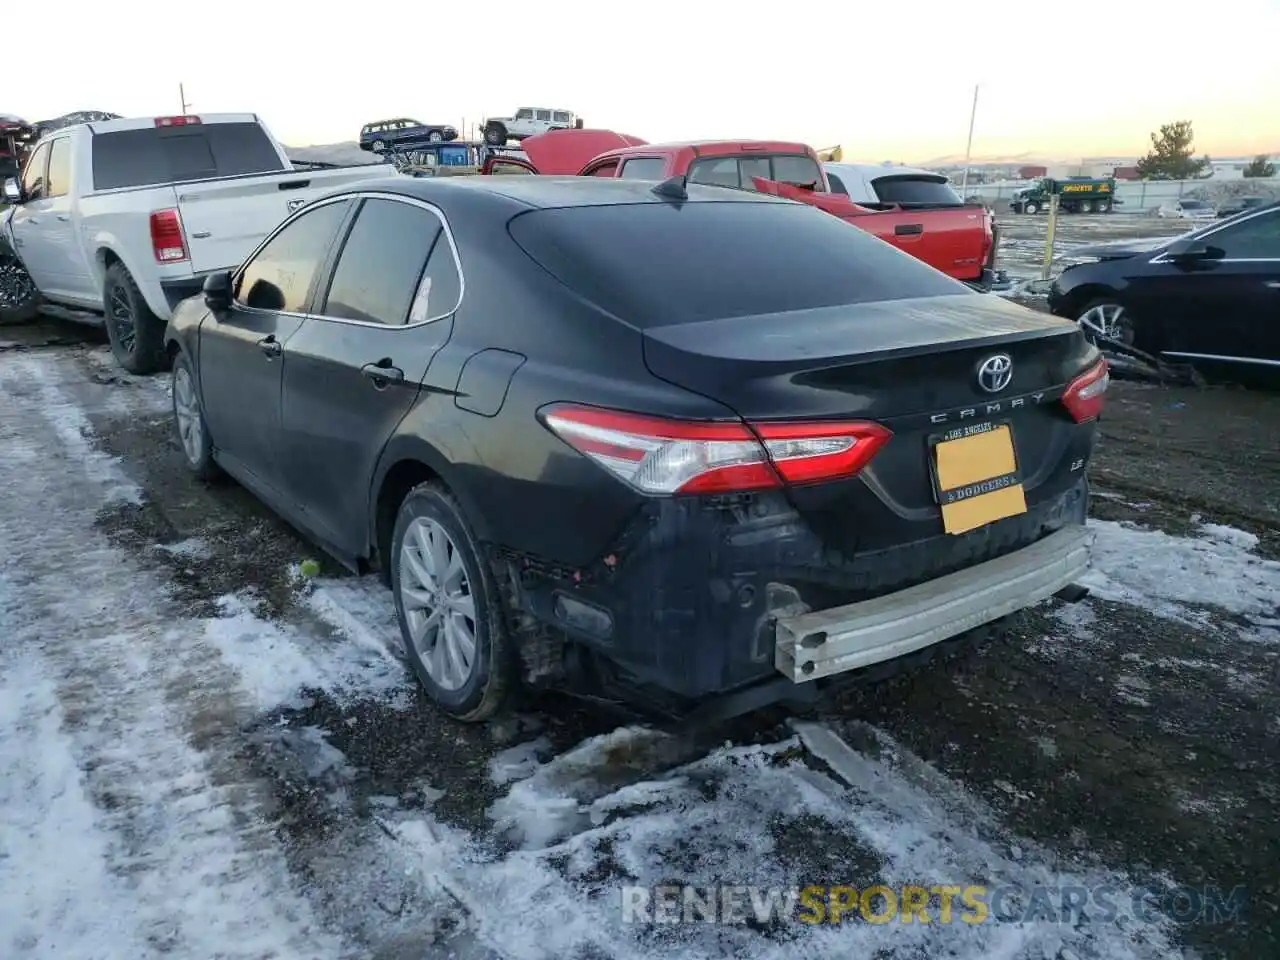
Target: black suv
[403,133]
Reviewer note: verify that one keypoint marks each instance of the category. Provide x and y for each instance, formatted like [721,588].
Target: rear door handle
[383,372]
[271,346]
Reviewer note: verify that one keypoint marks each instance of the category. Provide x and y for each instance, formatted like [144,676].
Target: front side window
[524,113]
[58,181]
[380,272]
[280,275]
[1257,238]
[33,174]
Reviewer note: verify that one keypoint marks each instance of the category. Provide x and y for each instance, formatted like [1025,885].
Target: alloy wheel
[16,286]
[439,606]
[122,319]
[1108,320]
[186,408]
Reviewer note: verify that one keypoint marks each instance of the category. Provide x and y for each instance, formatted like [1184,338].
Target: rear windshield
[659,264]
[916,190]
[740,170]
[151,155]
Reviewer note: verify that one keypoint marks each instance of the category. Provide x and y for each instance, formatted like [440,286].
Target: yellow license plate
[976,478]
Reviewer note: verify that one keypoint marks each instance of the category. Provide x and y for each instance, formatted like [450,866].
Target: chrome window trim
[368,195]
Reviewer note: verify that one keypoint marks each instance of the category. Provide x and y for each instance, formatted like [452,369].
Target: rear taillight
[1085,394]
[167,242]
[660,456]
[186,120]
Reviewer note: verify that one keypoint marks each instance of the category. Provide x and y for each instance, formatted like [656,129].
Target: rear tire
[1104,206]
[378,146]
[1086,206]
[435,136]
[446,597]
[136,334]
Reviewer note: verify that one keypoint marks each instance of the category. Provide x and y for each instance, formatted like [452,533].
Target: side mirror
[1192,251]
[217,291]
[12,190]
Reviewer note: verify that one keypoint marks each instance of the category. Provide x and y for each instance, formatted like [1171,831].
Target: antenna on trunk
[672,188]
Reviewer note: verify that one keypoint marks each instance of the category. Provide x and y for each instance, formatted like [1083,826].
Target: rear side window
[655,264]
[382,262]
[151,155]
[908,190]
[544,114]
[560,116]
[644,168]
[739,170]
[279,277]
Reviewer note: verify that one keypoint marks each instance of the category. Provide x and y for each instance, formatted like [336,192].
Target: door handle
[33,219]
[1274,284]
[63,217]
[270,346]
[383,372]
[908,229]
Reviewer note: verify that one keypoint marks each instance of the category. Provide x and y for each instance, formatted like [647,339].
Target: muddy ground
[1101,731]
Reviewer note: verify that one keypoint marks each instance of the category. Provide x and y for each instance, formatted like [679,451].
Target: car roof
[873,171]
[541,192]
[712,148]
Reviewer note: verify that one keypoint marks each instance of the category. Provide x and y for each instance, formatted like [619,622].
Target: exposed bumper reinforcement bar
[827,642]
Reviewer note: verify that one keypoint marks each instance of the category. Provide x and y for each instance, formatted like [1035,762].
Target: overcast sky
[886,80]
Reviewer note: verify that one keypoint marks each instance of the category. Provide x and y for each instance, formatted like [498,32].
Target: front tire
[435,136]
[136,334]
[19,298]
[449,607]
[1109,317]
[1030,208]
[189,423]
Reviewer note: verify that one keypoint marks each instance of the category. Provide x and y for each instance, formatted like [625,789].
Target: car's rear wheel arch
[404,466]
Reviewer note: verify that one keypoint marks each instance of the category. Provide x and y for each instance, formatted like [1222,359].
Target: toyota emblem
[995,373]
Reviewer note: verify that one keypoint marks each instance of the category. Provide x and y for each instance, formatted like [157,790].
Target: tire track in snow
[171,850]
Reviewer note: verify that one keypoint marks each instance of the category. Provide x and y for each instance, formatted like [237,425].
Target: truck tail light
[186,120]
[167,242]
[660,456]
[1085,394]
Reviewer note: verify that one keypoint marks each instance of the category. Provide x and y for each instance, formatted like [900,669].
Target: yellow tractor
[830,154]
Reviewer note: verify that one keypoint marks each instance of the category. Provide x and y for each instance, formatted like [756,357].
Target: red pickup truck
[959,241]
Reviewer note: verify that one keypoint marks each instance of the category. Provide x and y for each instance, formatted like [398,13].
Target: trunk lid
[225,219]
[563,153]
[955,240]
[911,365]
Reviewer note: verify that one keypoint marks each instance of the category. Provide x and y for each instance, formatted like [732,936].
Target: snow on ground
[132,830]
[1169,575]
[160,849]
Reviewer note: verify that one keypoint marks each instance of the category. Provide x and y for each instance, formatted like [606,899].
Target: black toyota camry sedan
[668,444]
[1210,297]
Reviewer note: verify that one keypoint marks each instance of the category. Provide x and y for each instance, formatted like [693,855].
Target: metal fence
[1143,196]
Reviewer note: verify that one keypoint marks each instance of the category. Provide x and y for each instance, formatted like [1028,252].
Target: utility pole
[968,150]
[182,98]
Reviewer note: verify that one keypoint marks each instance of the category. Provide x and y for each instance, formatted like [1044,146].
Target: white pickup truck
[117,221]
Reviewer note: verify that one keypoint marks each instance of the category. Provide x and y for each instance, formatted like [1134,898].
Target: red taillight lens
[185,120]
[659,456]
[167,242]
[1085,394]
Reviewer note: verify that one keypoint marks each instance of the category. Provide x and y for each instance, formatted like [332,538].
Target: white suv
[527,122]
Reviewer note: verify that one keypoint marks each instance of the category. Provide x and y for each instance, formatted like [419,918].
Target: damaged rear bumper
[826,642]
